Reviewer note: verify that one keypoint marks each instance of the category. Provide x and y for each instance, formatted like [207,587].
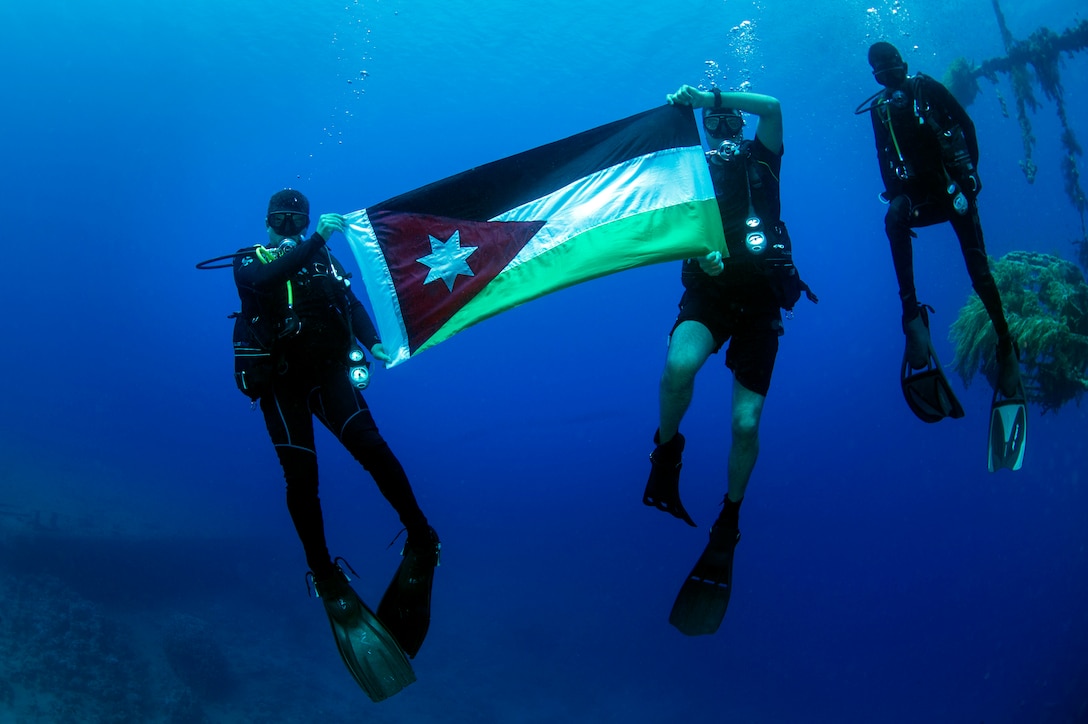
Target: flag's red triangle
[405,238]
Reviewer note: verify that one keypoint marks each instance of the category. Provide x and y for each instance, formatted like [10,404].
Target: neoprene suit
[921,198]
[312,382]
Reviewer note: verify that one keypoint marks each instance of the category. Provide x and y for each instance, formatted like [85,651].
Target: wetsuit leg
[343,410]
[291,428]
[897,223]
[968,230]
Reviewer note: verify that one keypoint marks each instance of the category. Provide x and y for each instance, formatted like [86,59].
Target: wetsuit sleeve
[361,324]
[958,114]
[773,159]
[880,133]
[251,273]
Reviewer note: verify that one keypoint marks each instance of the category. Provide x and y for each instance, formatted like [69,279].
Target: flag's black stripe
[486,191]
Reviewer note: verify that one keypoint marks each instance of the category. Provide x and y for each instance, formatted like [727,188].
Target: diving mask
[722,123]
[287,223]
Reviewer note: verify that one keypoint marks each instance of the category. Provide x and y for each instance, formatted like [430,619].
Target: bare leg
[747,409]
[701,604]
[690,346]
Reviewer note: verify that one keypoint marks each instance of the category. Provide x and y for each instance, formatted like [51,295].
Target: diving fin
[369,651]
[1008,430]
[928,393]
[406,605]
[700,606]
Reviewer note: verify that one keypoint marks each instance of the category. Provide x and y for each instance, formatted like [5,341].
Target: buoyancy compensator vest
[748,199]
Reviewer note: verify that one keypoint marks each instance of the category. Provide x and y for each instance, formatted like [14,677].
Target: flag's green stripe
[675,232]
[638,186]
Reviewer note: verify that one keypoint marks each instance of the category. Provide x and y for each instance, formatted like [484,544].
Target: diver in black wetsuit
[928,155]
[298,305]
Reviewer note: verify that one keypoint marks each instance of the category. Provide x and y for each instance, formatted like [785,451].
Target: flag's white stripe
[654,181]
[650,182]
[379,285]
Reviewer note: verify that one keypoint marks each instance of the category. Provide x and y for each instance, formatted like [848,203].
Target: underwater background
[149,571]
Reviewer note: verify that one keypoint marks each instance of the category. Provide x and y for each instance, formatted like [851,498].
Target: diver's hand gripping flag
[455,252]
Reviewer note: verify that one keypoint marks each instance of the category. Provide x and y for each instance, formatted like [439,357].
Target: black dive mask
[723,124]
[288,223]
[892,76]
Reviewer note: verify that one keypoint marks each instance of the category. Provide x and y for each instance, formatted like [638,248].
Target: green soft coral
[1046,304]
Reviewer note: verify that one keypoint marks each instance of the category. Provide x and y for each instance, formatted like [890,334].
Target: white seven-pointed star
[447,259]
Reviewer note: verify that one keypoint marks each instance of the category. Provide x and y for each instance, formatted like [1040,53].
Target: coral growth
[1046,303]
[960,80]
[68,660]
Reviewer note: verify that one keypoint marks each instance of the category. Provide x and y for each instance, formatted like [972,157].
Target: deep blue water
[884,575]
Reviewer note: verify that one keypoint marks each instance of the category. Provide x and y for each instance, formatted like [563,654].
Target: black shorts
[751,329]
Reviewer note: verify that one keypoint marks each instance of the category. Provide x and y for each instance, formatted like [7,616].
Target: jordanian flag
[455,252]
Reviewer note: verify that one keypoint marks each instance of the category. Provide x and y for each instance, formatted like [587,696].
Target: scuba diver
[297,354]
[734,298]
[928,155]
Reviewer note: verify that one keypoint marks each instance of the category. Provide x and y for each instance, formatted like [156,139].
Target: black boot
[729,518]
[663,487]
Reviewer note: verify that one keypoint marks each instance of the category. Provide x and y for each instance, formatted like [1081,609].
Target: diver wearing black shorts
[735,300]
